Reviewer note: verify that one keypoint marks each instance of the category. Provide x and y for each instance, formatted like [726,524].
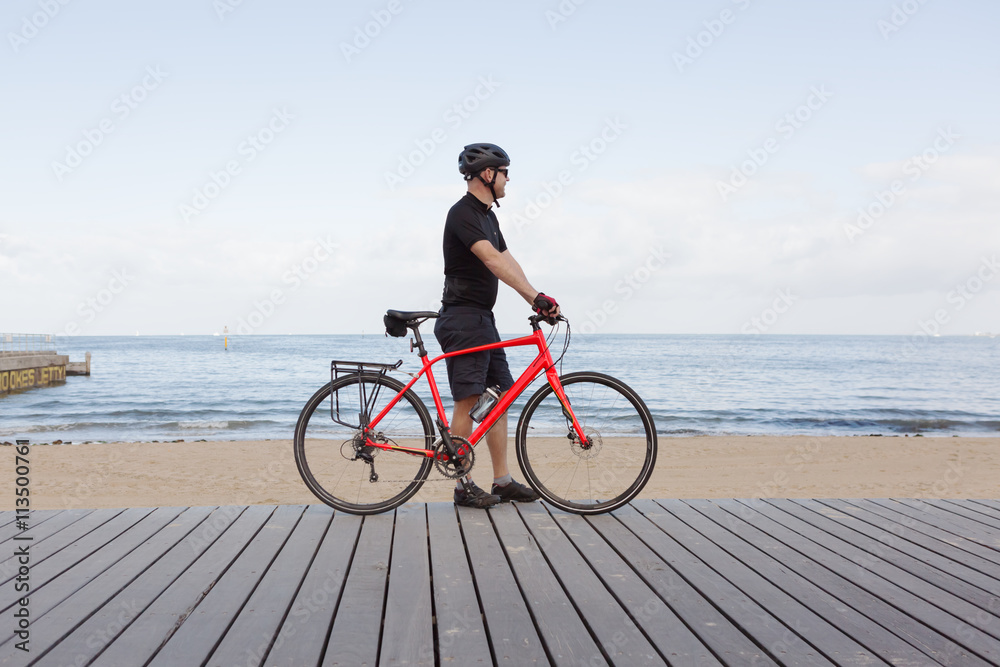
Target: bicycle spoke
[337,463]
[609,467]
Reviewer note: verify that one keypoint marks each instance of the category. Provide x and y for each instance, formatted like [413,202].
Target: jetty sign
[26,378]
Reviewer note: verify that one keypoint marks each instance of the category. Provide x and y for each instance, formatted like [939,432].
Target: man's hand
[547,306]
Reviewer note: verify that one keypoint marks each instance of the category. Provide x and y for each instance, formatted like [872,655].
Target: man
[475,258]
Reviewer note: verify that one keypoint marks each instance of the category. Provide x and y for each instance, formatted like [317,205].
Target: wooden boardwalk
[696,582]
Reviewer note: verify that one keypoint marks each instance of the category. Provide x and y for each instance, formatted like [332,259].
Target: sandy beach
[264,472]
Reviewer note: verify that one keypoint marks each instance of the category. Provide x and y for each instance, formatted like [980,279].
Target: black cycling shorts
[461,327]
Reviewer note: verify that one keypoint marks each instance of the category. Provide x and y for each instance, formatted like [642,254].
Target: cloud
[784,230]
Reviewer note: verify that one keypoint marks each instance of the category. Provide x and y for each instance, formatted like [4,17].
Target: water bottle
[487,400]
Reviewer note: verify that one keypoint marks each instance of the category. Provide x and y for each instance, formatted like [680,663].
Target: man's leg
[461,425]
[461,422]
[496,439]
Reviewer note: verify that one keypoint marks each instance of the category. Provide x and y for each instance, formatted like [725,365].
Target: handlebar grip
[551,321]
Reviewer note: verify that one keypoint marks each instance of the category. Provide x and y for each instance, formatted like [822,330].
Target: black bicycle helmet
[476,157]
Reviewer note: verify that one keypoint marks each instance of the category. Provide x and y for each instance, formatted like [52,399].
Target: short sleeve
[467,229]
[501,244]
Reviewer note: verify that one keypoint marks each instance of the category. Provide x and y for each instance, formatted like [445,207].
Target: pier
[30,360]
[664,582]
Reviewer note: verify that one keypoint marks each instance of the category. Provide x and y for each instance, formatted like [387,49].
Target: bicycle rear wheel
[333,460]
[594,477]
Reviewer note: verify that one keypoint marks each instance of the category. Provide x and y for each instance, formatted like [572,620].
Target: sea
[168,388]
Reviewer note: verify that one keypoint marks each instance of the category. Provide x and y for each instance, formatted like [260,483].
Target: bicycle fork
[575,427]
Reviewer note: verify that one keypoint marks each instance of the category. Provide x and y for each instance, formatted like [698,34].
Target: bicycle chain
[449,476]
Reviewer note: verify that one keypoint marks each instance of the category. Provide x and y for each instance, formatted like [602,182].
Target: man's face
[501,183]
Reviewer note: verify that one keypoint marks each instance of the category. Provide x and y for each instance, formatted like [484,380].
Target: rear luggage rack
[340,369]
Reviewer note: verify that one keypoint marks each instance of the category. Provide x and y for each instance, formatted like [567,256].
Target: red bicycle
[365,442]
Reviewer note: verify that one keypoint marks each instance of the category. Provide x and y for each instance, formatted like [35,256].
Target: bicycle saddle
[410,315]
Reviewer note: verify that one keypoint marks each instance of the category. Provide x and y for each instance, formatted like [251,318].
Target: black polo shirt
[467,281]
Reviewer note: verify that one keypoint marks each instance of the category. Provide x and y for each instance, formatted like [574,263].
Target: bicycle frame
[543,362]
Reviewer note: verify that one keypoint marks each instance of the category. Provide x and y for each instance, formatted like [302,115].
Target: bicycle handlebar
[538,318]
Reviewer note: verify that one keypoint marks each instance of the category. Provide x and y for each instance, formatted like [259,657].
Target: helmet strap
[491,185]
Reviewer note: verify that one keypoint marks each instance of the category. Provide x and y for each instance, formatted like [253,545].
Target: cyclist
[475,258]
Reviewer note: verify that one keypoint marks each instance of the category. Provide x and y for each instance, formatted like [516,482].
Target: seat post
[418,341]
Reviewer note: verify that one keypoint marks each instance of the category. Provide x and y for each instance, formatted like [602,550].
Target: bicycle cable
[566,339]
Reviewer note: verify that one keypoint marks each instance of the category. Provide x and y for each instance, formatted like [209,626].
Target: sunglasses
[504,172]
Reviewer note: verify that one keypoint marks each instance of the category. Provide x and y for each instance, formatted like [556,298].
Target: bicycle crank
[454,467]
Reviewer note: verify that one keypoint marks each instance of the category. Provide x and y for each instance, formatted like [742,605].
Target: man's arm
[505,267]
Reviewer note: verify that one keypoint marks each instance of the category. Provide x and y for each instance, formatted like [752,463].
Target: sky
[735,166]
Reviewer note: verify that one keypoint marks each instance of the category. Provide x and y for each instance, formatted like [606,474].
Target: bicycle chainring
[456,467]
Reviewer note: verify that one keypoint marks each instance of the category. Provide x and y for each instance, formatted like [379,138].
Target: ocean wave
[219,425]
[165,388]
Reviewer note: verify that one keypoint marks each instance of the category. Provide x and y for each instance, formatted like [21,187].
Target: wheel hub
[590,448]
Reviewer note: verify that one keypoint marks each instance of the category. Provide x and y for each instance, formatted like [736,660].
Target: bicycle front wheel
[608,470]
[330,449]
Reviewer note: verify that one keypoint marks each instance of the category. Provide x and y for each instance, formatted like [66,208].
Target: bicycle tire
[615,467]
[323,447]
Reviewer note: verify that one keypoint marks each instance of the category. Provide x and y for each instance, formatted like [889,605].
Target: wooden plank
[644,605]
[513,637]
[303,634]
[408,634]
[889,550]
[252,634]
[915,521]
[203,628]
[739,610]
[55,522]
[36,519]
[951,521]
[954,530]
[68,535]
[92,592]
[461,633]
[717,631]
[946,593]
[567,639]
[650,523]
[606,617]
[44,571]
[354,638]
[97,564]
[857,609]
[809,629]
[132,583]
[904,526]
[899,540]
[39,534]
[8,516]
[169,610]
[992,505]
[109,620]
[853,563]
[977,513]
[978,507]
